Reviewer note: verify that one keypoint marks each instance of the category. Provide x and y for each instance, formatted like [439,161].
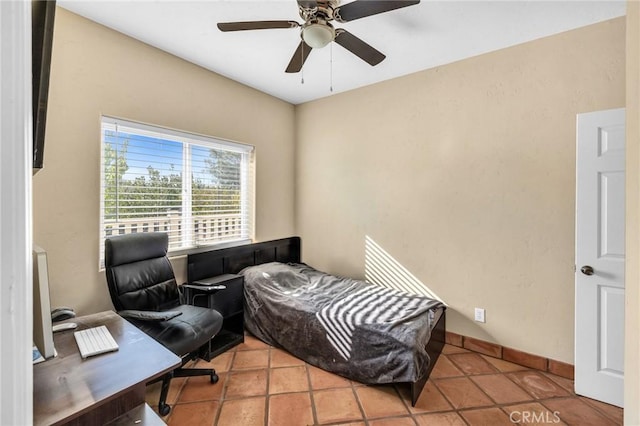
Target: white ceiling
[414,38]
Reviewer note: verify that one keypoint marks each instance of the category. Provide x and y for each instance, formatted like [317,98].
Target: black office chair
[143,290]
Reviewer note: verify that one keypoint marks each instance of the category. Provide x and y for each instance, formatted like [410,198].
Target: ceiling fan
[316,31]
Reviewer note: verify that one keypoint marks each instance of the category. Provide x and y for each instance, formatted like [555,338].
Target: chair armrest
[149,315]
[206,288]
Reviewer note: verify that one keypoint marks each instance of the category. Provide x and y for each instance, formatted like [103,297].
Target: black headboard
[233,259]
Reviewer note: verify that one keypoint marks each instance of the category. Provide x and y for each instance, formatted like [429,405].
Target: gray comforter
[358,330]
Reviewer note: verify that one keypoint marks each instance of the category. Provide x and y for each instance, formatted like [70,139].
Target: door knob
[587,270]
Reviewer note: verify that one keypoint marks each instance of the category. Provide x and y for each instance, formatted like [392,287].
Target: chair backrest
[139,274]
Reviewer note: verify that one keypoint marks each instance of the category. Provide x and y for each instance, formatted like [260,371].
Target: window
[197,189]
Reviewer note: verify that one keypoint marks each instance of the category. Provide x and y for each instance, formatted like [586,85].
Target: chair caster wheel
[214,378]
[164,409]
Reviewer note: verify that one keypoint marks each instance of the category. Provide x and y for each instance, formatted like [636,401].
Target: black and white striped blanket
[367,304]
[368,333]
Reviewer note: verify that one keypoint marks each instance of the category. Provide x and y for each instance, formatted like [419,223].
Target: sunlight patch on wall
[382,269]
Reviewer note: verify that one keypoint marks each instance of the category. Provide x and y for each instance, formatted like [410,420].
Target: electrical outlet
[479,315]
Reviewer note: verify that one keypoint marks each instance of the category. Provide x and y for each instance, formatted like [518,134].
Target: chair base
[164,408]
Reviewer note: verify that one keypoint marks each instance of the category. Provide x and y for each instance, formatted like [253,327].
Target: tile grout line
[547,361]
[498,371]
[225,385]
[474,407]
[267,399]
[577,397]
[450,410]
[446,398]
[312,400]
[508,376]
[535,399]
[597,408]
[355,393]
[407,403]
[456,363]
[469,377]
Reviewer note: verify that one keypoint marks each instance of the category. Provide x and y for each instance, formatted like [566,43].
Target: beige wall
[632,309]
[465,174]
[99,71]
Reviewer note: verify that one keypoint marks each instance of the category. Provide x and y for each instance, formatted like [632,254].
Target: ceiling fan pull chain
[302,68]
[331,68]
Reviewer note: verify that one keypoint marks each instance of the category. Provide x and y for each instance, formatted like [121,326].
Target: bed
[367,333]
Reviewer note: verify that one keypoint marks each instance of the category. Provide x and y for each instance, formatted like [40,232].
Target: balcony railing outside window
[207,229]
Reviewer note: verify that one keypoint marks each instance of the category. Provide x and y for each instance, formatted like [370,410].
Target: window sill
[215,246]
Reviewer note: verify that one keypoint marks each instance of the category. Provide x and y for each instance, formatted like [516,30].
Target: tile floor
[262,385]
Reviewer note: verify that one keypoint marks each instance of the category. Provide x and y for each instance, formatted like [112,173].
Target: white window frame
[187,244]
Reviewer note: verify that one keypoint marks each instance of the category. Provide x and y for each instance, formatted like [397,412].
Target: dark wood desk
[70,390]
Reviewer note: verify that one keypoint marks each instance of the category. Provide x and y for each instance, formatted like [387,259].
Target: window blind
[197,189]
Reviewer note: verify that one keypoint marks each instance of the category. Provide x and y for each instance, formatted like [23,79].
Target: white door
[599,283]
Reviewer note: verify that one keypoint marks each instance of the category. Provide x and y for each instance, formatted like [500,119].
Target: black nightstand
[228,301]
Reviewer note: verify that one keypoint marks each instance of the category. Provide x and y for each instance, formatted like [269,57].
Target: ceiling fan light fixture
[318,35]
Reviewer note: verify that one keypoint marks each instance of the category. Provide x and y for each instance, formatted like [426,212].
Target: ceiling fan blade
[358,47]
[362,8]
[256,25]
[307,4]
[298,58]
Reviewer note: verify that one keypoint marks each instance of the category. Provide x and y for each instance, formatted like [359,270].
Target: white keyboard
[94,341]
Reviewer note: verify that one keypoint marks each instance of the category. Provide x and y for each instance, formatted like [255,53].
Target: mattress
[368,333]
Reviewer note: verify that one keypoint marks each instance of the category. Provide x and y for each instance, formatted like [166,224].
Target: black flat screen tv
[42,20]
